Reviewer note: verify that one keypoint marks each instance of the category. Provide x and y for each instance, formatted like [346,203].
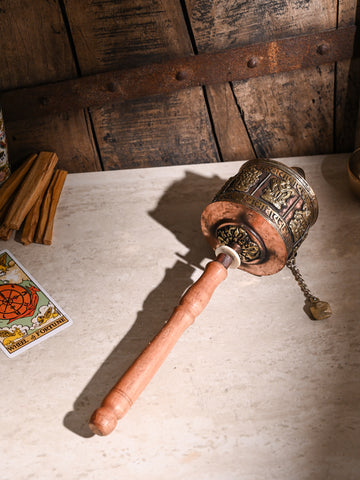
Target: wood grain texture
[233,139]
[167,130]
[172,75]
[221,24]
[285,119]
[347,13]
[284,114]
[298,116]
[347,121]
[31,187]
[31,221]
[35,49]
[9,188]
[34,45]
[69,135]
[55,192]
[214,27]
[164,130]
[110,35]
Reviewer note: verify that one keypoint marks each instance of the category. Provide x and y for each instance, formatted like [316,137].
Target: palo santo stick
[33,184]
[31,221]
[48,208]
[5,233]
[12,183]
[4,208]
[56,191]
[44,212]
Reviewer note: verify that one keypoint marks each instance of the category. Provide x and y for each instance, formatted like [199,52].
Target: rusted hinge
[161,78]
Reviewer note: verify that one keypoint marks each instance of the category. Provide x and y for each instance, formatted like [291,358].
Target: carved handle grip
[132,383]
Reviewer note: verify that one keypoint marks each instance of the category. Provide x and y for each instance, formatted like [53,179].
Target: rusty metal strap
[179,73]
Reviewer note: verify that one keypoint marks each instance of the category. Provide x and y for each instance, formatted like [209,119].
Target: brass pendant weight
[318,309]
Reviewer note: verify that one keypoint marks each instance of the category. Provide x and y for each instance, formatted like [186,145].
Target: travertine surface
[254,390]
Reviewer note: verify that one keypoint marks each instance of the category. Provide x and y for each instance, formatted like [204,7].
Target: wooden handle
[132,383]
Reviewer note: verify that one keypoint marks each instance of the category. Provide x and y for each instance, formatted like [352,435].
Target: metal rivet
[253,62]
[44,100]
[323,49]
[181,75]
[112,87]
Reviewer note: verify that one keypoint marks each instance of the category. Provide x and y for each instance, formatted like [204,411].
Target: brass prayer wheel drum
[264,213]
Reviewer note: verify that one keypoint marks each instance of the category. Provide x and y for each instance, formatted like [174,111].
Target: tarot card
[28,315]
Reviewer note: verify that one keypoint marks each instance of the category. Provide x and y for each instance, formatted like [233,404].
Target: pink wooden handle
[132,383]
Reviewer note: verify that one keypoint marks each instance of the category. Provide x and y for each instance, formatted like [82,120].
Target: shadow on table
[178,210]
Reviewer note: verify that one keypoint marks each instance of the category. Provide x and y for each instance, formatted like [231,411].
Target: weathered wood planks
[70,135]
[346,109]
[35,49]
[290,112]
[173,129]
[179,73]
[163,130]
[305,112]
[233,139]
[286,114]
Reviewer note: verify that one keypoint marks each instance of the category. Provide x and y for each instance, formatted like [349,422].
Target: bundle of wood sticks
[29,198]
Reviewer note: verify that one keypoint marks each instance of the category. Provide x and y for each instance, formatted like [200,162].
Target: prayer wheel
[256,223]
[264,213]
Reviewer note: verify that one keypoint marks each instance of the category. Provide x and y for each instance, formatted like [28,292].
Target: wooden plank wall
[298,113]
[36,49]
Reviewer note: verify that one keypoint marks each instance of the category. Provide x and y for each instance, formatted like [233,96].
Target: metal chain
[300,281]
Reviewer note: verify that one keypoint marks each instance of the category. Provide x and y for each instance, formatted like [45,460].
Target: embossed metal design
[299,221]
[241,182]
[247,180]
[234,234]
[278,193]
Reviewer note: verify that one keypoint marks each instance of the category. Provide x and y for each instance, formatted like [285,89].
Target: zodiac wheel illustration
[16,302]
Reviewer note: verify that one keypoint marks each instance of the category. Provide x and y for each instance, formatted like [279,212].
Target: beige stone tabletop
[254,390]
